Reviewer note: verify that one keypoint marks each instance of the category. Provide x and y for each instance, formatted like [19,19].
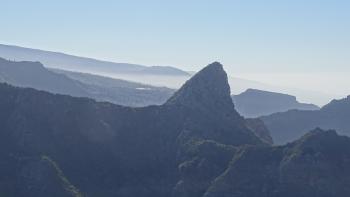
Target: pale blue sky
[247,35]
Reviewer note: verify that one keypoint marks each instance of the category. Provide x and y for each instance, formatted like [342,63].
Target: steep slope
[210,88]
[101,149]
[288,126]
[35,75]
[254,103]
[82,64]
[317,165]
[259,129]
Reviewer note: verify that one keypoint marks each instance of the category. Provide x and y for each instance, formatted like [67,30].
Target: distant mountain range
[194,145]
[82,64]
[164,76]
[288,126]
[252,103]
[255,103]
[35,75]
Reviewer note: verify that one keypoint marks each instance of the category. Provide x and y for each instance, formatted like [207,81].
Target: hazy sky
[247,36]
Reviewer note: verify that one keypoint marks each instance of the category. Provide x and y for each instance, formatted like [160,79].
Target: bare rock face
[207,105]
[209,88]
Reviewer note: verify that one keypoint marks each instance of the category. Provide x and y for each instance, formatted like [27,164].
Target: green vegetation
[65,182]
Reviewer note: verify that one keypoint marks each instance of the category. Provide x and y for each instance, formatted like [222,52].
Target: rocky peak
[208,89]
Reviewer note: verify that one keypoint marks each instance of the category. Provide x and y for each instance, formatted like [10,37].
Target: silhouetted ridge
[290,125]
[209,88]
[337,105]
[254,103]
[121,92]
[5,62]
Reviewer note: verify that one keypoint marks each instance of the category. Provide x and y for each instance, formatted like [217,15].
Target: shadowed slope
[110,150]
[288,126]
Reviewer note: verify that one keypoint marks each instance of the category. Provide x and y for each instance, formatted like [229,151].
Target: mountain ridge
[35,75]
[253,103]
[76,63]
[288,126]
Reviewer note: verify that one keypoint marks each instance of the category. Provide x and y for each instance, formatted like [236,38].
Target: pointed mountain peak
[208,88]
